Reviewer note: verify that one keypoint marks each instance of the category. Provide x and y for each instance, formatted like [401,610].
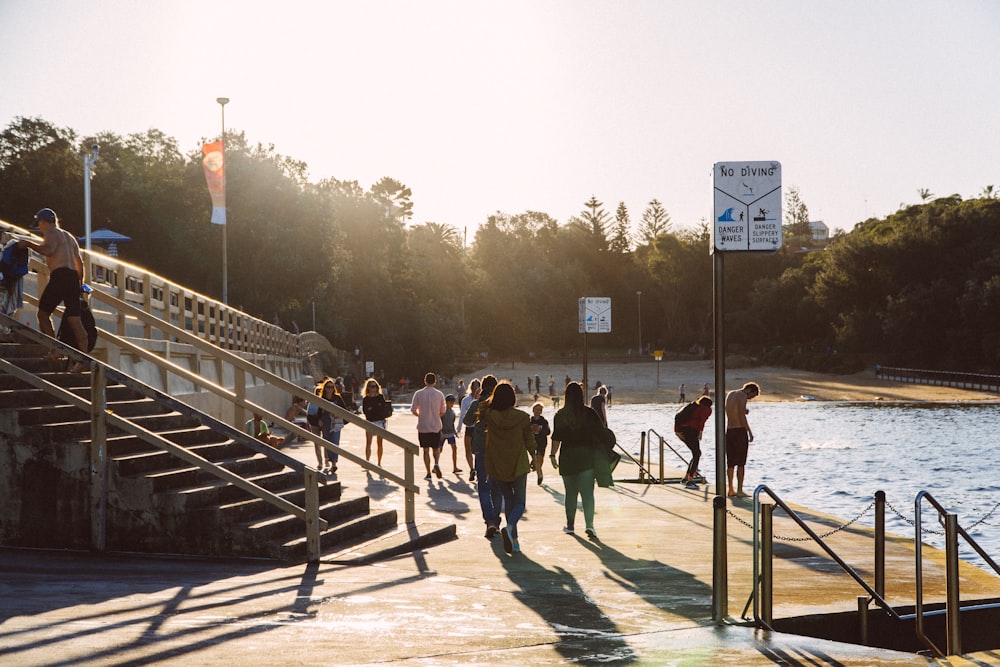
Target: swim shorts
[737,444]
[429,439]
[63,287]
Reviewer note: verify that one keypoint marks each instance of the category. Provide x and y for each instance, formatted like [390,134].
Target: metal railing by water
[953,601]
[663,446]
[960,380]
[763,574]
[763,536]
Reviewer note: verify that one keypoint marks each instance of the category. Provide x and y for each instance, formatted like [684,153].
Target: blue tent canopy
[105,235]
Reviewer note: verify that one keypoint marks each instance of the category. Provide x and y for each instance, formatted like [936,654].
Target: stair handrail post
[240,389]
[662,462]
[880,543]
[642,457]
[98,458]
[313,545]
[410,499]
[767,563]
[953,606]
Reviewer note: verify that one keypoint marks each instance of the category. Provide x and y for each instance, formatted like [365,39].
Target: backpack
[89,325]
[684,414]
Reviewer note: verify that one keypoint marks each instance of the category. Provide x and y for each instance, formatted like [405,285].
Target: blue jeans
[332,434]
[484,485]
[582,484]
[514,496]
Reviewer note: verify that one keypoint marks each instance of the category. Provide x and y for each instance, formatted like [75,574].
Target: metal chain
[807,538]
[863,512]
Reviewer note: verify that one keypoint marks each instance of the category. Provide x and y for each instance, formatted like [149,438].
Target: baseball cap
[46,214]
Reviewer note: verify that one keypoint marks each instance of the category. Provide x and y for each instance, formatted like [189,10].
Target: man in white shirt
[428,405]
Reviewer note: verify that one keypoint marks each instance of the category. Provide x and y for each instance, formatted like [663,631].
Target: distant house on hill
[820,232]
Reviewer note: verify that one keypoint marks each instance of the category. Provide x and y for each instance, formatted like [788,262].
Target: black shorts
[737,444]
[430,439]
[63,287]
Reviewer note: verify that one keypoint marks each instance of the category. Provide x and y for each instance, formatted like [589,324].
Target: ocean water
[833,457]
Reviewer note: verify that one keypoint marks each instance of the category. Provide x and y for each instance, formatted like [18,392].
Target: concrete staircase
[155,502]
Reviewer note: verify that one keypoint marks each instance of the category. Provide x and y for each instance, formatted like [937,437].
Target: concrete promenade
[640,594]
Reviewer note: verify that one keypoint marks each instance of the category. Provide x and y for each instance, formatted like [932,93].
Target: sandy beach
[636,382]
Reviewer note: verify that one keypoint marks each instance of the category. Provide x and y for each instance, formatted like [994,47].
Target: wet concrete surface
[640,594]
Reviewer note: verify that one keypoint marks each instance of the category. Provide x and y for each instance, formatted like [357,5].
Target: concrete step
[125,444]
[340,536]
[188,476]
[154,460]
[250,508]
[279,527]
[28,396]
[218,492]
[133,407]
[80,429]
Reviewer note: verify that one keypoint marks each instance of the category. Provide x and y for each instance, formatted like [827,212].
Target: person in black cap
[66,275]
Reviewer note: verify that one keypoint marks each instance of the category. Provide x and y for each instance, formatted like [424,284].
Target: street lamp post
[89,161]
[223,101]
[638,307]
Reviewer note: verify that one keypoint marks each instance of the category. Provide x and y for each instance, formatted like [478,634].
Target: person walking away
[467,440]
[475,435]
[448,433]
[681,393]
[508,458]
[738,435]
[371,406]
[67,273]
[576,428]
[540,429]
[331,424]
[599,403]
[428,406]
[689,424]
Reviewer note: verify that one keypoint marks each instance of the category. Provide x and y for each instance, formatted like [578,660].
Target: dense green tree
[655,221]
[621,241]
[919,288]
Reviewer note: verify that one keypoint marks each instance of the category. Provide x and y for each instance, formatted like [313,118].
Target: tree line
[918,288]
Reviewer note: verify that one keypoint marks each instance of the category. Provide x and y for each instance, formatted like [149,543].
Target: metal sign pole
[720,563]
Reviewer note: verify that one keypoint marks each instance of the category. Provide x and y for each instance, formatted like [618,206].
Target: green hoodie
[509,441]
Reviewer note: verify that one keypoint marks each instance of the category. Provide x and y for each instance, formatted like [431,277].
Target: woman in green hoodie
[581,441]
[509,444]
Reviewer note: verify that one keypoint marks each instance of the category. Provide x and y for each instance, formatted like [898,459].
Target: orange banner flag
[215,176]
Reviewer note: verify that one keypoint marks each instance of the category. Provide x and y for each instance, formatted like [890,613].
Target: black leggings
[690,438]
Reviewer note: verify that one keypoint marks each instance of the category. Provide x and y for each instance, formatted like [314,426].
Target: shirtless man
[66,275]
[738,434]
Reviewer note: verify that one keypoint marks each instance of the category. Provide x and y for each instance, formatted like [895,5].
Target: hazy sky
[538,105]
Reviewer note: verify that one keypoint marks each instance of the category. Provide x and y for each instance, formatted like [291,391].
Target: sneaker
[517,547]
[569,530]
[591,533]
[457,470]
[691,485]
[427,476]
[508,542]
[472,475]
[437,471]
[491,532]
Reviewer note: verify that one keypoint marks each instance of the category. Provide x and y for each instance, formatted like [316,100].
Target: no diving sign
[747,206]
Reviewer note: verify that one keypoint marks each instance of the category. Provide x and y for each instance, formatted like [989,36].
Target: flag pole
[223,101]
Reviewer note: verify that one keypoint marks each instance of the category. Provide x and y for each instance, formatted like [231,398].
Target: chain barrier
[863,512]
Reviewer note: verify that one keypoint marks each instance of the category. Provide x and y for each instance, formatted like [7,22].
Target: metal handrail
[103,372]
[953,602]
[763,618]
[213,320]
[663,441]
[237,399]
